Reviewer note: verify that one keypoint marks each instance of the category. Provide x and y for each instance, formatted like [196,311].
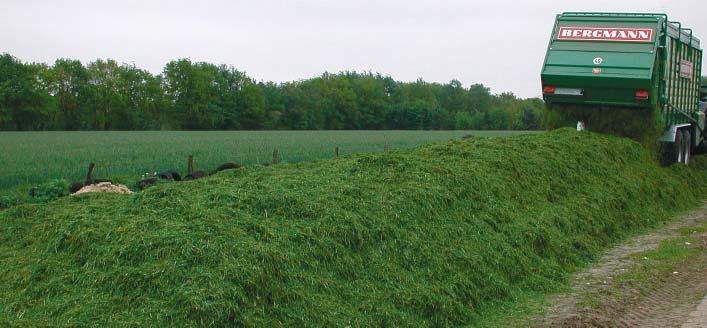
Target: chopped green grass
[445,234]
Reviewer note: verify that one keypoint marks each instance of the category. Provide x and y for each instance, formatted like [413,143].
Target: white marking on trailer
[610,34]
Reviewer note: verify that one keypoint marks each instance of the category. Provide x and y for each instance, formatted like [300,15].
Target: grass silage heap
[437,235]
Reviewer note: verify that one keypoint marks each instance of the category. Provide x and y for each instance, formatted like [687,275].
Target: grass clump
[42,193]
[8,200]
[50,191]
[441,235]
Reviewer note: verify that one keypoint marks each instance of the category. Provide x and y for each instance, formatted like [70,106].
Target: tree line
[106,95]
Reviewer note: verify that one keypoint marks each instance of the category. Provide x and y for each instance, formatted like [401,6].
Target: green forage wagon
[619,62]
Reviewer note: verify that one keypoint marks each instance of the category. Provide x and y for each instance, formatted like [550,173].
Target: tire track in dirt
[697,318]
[669,301]
[668,304]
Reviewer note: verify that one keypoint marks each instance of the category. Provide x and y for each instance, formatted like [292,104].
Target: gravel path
[677,299]
[697,318]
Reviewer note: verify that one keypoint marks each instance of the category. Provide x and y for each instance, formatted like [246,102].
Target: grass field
[35,157]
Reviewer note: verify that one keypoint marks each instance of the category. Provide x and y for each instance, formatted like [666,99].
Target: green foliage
[51,190]
[104,77]
[105,95]
[68,80]
[209,97]
[441,235]
[22,100]
[463,121]
[7,201]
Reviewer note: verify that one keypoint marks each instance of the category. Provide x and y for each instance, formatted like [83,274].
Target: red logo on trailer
[612,34]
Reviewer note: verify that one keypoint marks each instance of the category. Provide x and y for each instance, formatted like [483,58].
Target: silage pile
[105,187]
[440,235]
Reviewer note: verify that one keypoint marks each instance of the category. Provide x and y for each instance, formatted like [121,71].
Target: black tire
[701,148]
[687,146]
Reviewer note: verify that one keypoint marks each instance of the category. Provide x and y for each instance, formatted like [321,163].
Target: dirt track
[673,299]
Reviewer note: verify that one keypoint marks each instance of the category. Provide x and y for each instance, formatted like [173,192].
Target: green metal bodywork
[626,67]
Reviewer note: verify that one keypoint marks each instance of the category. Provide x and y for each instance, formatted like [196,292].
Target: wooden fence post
[89,175]
[336,151]
[275,156]
[190,165]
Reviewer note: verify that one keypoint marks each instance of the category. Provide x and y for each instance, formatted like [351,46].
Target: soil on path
[674,299]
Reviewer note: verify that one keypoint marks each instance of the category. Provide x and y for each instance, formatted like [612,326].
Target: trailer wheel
[687,146]
[673,150]
[701,148]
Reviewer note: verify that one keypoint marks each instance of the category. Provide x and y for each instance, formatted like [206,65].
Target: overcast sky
[498,43]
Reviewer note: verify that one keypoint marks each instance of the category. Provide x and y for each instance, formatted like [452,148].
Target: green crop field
[35,157]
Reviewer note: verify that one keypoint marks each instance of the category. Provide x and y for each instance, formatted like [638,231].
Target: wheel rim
[681,151]
[686,139]
[687,157]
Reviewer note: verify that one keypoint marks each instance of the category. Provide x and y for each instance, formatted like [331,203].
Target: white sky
[498,43]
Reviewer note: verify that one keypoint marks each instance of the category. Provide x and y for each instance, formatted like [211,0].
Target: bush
[7,201]
[51,190]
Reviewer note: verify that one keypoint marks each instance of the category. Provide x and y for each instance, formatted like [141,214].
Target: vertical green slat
[673,54]
[669,73]
[681,83]
[681,80]
[669,87]
[685,81]
[676,74]
[697,73]
[689,84]
[693,79]
[673,74]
